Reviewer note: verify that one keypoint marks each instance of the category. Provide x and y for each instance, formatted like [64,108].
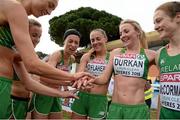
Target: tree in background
[84,20]
[41,55]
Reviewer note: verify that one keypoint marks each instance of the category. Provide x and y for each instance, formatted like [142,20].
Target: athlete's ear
[177,17]
[105,40]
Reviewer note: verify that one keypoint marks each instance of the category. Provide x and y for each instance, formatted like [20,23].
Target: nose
[122,35]
[156,26]
[48,12]
[95,42]
[74,45]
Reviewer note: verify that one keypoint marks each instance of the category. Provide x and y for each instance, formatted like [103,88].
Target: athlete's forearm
[46,70]
[34,85]
[55,82]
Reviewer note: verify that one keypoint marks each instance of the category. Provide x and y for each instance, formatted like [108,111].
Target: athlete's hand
[80,75]
[82,83]
[91,51]
[89,82]
[69,94]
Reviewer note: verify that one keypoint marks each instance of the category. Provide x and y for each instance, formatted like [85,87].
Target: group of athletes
[21,71]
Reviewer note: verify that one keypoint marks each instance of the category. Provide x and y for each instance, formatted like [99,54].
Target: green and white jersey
[6,38]
[134,65]
[169,80]
[96,66]
[61,65]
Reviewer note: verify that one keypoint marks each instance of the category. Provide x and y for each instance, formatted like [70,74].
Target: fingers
[73,92]
[74,96]
[74,85]
[80,83]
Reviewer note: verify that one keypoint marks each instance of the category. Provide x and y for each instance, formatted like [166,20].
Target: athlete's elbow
[33,67]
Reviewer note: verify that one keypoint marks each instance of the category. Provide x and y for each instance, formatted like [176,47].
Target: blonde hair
[33,22]
[101,31]
[137,27]
[170,8]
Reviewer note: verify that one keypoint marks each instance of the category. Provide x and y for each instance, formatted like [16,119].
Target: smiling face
[98,40]
[164,24]
[43,7]
[128,34]
[167,20]
[71,44]
[35,34]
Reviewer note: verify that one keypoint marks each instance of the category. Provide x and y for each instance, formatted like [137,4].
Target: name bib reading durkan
[170,90]
[129,65]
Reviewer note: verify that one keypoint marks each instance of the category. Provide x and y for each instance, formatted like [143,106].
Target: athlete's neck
[27,5]
[101,53]
[135,48]
[66,56]
[175,40]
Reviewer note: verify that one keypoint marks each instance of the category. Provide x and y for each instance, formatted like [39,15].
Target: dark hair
[170,8]
[71,32]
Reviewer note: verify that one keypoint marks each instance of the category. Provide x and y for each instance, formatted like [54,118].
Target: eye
[70,41]
[34,34]
[98,39]
[126,31]
[76,42]
[158,20]
[92,40]
[51,5]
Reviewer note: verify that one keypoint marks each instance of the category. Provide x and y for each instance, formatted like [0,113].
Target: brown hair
[138,28]
[170,8]
[33,22]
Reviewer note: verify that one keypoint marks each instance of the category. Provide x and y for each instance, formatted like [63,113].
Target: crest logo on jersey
[162,61]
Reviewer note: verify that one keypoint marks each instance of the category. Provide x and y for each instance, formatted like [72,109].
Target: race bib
[170,90]
[129,65]
[96,67]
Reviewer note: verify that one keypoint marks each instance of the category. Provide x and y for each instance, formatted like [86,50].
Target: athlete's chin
[37,16]
[125,44]
[162,36]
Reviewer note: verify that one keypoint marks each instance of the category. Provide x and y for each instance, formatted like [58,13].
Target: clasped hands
[83,80]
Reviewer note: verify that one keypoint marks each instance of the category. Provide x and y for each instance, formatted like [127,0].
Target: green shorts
[166,113]
[20,107]
[121,111]
[5,99]
[45,104]
[91,105]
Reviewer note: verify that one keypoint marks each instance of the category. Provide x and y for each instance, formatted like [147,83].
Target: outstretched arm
[35,86]
[100,80]
[18,22]
[106,75]
[56,82]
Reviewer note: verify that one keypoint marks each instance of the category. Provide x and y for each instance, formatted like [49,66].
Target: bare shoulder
[151,54]
[73,58]
[157,55]
[9,8]
[116,51]
[14,11]
[85,57]
[57,53]
[55,56]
